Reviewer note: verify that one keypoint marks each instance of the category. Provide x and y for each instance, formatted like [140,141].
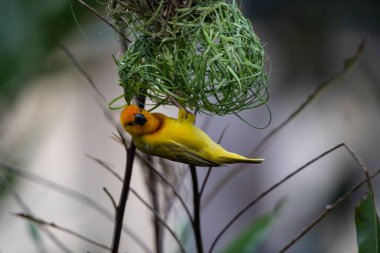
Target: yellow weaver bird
[176,139]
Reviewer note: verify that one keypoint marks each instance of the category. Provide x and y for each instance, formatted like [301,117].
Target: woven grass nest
[204,54]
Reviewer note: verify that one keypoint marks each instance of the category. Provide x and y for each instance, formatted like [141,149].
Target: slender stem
[131,153]
[26,208]
[356,158]
[70,193]
[197,210]
[321,87]
[111,198]
[123,199]
[104,19]
[328,209]
[209,170]
[139,197]
[161,221]
[130,158]
[171,186]
[153,190]
[63,229]
[263,194]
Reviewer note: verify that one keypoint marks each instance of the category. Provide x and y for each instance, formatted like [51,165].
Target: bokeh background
[50,120]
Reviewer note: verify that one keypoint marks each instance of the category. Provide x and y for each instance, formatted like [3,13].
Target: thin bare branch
[105,166]
[60,228]
[134,192]
[349,63]
[78,196]
[357,159]
[269,190]
[157,215]
[327,211]
[116,138]
[131,151]
[102,103]
[163,179]
[152,184]
[104,19]
[83,72]
[197,210]
[321,87]
[176,193]
[170,200]
[362,166]
[209,170]
[110,197]
[100,98]
[25,207]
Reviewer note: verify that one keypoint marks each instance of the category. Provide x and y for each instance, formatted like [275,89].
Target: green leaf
[367,225]
[251,238]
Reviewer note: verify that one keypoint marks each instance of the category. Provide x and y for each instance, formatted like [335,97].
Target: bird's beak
[140,119]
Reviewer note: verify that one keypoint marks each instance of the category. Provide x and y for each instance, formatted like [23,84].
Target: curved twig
[23,206]
[103,104]
[197,210]
[349,63]
[78,196]
[60,228]
[176,193]
[253,202]
[157,215]
[327,211]
[104,19]
[269,190]
[139,197]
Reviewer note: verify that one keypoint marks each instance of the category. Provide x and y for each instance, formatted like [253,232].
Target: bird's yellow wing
[185,116]
[179,152]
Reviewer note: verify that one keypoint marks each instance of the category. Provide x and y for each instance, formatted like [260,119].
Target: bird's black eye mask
[140,119]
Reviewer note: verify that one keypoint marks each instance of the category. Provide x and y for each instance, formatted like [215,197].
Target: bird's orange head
[137,121]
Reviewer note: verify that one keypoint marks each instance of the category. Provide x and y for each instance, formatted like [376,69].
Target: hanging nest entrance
[204,54]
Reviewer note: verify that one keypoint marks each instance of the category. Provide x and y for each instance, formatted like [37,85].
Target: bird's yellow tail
[235,158]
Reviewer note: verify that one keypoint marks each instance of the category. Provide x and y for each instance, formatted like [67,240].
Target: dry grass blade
[100,98]
[134,192]
[163,179]
[78,196]
[102,18]
[327,211]
[333,80]
[110,197]
[152,183]
[60,228]
[362,166]
[261,196]
[157,215]
[104,165]
[23,206]
[265,193]
[197,210]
